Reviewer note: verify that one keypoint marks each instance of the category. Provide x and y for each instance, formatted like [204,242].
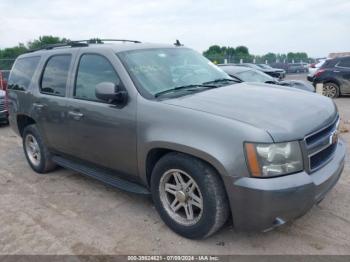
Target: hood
[285,113]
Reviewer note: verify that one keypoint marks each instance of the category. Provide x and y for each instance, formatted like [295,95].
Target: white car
[313,69]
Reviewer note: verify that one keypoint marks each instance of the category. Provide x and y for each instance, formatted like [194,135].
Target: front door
[100,133]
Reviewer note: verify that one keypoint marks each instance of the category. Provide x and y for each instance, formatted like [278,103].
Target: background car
[279,70]
[313,69]
[246,74]
[274,72]
[335,76]
[3,107]
[297,68]
[4,75]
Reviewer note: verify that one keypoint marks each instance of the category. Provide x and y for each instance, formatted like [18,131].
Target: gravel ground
[66,213]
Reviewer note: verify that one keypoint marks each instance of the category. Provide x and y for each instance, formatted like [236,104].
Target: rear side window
[55,76]
[93,70]
[22,73]
[344,62]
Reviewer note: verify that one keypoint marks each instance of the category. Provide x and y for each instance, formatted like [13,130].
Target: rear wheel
[189,195]
[37,154]
[331,90]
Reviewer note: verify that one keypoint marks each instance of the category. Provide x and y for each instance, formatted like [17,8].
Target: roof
[115,47]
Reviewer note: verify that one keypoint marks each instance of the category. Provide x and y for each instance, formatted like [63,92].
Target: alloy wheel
[181,197]
[329,90]
[33,149]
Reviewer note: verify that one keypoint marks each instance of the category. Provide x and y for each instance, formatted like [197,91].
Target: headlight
[267,160]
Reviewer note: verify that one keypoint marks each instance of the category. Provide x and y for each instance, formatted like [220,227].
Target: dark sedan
[334,74]
[246,74]
[274,72]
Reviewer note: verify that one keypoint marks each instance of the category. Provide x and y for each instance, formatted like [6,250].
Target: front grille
[321,145]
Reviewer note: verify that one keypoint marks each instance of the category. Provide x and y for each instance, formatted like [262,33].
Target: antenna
[177,43]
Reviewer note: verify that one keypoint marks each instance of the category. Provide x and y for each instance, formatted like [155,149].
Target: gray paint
[211,125]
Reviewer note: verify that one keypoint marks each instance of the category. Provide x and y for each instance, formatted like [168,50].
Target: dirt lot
[66,213]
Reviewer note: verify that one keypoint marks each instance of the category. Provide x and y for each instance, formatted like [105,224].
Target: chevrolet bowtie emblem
[333,138]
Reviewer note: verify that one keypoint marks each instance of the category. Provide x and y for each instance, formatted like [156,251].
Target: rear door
[342,71]
[49,103]
[101,133]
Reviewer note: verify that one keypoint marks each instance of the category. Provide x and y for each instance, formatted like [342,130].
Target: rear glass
[22,73]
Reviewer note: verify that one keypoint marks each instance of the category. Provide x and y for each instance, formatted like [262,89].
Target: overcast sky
[315,26]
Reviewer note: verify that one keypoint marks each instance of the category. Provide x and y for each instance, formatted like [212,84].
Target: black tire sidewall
[199,173]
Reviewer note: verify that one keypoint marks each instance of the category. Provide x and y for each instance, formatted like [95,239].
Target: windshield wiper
[194,87]
[219,80]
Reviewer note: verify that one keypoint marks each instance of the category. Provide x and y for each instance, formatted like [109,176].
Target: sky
[317,27]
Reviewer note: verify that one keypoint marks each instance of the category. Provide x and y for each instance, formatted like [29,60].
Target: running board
[105,177]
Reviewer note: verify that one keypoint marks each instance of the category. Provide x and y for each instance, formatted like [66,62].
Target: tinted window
[54,80]
[254,76]
[93,70]
[22,73]
[345,62]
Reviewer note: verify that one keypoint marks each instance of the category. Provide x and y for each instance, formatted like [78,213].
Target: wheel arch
[156,153]
[23,121]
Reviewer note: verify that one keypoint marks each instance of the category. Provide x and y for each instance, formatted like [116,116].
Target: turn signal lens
[252,159]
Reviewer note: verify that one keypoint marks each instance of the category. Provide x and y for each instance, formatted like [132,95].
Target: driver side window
[92,70]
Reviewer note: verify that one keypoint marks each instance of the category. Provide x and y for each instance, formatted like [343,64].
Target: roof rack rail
[82,43]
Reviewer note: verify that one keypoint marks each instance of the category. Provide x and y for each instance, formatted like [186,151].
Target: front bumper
[4,116]
[310,78]
[262,204]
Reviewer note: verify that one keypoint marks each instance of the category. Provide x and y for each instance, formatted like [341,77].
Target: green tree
[243,50]
[45,40]
[270,57]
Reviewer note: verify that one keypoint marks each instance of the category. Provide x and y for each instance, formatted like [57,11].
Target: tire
[37,154]
[331,90]
[206,186]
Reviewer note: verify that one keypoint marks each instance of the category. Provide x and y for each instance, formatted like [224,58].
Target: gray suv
[163,120]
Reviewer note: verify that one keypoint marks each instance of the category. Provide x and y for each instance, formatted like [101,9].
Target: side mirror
[111,93]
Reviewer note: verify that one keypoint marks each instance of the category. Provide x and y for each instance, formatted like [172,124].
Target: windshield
[158,70]
[254,76]
[265,66]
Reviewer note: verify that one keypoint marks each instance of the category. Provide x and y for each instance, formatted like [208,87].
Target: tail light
[6,100]
[319,72]
[1,82]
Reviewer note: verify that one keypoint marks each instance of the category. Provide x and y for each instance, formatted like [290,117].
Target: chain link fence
[6,63]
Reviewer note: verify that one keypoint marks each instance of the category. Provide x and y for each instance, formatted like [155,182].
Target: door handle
[38,107]
[336,71]
[75,115]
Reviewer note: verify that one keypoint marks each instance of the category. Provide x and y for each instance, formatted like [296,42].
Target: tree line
[221,54]
[216,53]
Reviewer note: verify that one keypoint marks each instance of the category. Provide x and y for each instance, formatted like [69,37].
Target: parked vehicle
[274,72]
[3,107]
[4,75]
[163,120]
[335,76]
[313,69]
[281,71]
[247,74]
[297,68]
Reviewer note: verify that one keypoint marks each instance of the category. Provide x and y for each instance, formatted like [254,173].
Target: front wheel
[189,195]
